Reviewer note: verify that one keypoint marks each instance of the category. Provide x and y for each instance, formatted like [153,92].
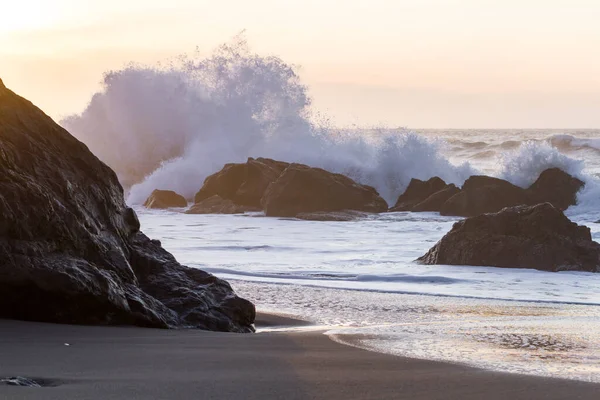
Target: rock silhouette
[165,199]
[417,192]
[243,184]
[539,237]
[484,194]
[303,189]
[71,251]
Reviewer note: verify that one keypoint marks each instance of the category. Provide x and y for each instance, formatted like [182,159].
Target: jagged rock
[243,184]
[437,200]
[302,189]
[165,199]
[556,187]
[417,192]
[71,250]
[336,216]
[484,194]
[217,205]
[539,237]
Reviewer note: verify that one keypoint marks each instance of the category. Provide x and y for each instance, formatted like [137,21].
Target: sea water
[170,126]
[360,280]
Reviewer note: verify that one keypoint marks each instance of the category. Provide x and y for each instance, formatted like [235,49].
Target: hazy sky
[415,63]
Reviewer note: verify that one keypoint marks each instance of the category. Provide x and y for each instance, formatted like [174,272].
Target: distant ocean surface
[360,280]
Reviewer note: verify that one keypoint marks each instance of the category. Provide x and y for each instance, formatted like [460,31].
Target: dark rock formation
[539,237]
[302,189]
[556,187]
[217,205]
[165,199]
[484,194]
[70,249]
[436,200]
[243,184]
[417,192]
[335,216]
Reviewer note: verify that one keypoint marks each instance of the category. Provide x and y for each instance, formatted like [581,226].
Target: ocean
[359,281]
[170,126]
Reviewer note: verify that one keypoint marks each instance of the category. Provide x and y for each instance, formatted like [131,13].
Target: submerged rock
[243,184]
[334,216]
[539,237]
[302,189]
[165,199]
[217,205]
[70,249]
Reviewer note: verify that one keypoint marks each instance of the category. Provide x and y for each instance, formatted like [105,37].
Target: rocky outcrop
[539,237]
[71,251]
[484,194]
[165,199]
[417,192]
[243,184]
[556,187]
[437,200]
[302,189]
[217,205]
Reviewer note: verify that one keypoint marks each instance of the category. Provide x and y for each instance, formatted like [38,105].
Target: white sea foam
[170,127]
[361,277]
[523,165]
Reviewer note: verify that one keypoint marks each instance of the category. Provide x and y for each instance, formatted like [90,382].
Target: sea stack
[71,251]
[303,189]
[538,237]
[482,194]
[165,199]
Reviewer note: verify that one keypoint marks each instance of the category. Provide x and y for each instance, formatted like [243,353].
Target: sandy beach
[85,362]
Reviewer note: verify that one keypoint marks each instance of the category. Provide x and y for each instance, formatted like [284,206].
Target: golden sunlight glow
[396,61]
[25,15]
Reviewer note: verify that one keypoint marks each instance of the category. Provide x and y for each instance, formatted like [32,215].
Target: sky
[412,63]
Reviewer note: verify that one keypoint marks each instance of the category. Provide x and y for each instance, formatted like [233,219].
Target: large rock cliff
[71,251]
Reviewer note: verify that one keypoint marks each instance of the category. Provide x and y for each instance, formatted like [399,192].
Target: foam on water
[376,254]
[169,126]
[360,277]
[523,165]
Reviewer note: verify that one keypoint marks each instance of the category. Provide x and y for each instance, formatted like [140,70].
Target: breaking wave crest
[170,126]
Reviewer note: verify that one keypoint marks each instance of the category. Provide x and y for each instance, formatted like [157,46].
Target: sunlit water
[360,278]
[172,125]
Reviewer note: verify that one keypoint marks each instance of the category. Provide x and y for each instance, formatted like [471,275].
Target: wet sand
[135,363]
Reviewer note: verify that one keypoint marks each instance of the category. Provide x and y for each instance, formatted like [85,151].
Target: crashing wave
[170,127]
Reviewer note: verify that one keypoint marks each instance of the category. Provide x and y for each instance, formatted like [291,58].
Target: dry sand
[134,363]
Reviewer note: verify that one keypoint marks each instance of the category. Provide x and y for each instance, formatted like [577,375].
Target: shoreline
[140,363]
